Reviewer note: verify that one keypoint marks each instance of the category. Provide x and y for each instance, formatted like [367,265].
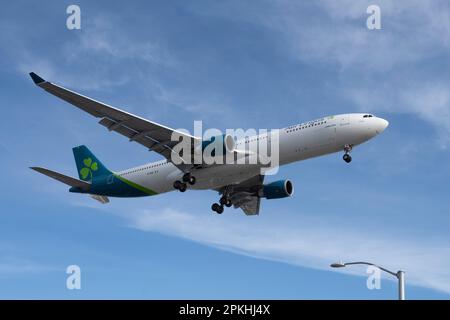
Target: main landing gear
[188,178]
[219,207]
[347,157]
[182,185]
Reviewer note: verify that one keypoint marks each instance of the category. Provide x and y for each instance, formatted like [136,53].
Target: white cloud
[94,59]
[383,70]
[10,265]
[428,100]
[378,67]
[91,59]
[105,37]
[201,103]
[411,32]
[307,243]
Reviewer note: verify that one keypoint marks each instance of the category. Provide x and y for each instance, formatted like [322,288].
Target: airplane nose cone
[381,125]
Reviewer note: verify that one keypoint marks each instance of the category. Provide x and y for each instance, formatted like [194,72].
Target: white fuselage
[298,142]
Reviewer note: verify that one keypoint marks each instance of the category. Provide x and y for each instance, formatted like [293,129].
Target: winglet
[36,79]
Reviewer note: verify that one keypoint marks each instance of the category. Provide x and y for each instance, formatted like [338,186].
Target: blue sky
[232,64]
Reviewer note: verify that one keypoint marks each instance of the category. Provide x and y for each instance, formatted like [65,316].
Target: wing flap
[248,203]
[245,195]
[143,137]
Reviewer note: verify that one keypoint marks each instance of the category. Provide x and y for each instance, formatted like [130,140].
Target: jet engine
[227,142]
[278,189]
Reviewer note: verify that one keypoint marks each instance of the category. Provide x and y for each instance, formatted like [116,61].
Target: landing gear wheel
[188,178]
[177,184]
[347,158]
[225,202]
[217,208]
[191,180]
[183,187]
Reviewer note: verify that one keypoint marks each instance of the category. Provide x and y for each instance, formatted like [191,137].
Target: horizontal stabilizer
[63,178]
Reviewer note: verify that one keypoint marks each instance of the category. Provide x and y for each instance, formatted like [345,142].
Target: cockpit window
[367,116]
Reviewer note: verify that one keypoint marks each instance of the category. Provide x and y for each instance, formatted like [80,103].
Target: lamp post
[400,275]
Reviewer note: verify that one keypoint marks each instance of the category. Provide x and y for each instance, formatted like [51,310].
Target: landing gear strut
[178,185]
[347,157]
[188,178]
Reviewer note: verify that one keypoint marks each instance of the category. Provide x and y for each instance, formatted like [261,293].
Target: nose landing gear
[347,157]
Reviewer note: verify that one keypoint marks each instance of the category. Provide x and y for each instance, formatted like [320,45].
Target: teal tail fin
[89,167]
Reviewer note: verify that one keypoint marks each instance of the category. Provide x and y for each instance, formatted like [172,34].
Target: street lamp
[400,275]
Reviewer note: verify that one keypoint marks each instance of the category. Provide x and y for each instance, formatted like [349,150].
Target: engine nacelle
[227,142]
[278,189]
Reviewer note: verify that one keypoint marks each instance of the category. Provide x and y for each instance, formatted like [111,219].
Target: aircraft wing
[152,135]
[245,195]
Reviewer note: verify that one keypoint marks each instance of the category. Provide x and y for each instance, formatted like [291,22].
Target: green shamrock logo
[88,169]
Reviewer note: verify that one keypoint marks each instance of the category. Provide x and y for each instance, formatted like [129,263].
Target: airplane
[239,185]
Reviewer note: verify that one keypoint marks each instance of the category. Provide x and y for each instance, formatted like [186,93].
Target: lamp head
[337,265]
